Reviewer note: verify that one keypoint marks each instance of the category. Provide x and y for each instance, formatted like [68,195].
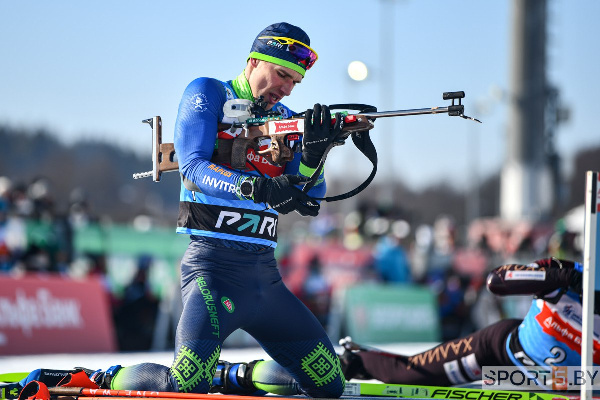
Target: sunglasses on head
[303,53]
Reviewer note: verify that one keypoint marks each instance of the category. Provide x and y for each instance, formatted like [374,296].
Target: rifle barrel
[401,113]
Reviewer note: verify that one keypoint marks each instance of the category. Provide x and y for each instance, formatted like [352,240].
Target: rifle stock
[163,154]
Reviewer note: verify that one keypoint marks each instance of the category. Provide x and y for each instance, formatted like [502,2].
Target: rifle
[276,138]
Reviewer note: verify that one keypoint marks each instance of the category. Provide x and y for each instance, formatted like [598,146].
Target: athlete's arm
[295,167]
[200,110]
[538,278]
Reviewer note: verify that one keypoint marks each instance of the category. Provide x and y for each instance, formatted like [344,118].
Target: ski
[441,392]
[10,377]
[364,390]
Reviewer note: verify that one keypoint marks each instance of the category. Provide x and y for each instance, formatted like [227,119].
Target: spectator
[136,315]
[316,291]
[391,260]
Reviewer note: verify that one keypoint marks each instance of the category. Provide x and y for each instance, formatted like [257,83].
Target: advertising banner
[51,314]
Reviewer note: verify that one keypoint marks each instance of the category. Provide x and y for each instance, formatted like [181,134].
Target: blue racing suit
[550,334]
[229,275]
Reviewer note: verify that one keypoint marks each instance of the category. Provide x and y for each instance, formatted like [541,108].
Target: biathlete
[229,275]
[536,340]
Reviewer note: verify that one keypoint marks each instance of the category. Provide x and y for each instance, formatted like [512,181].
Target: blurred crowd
[316,257]
[369,245]
[37,236]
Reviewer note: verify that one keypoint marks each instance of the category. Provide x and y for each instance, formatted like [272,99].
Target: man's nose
[287,88]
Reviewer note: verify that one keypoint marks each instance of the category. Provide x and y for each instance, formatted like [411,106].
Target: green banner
[123,239]
[380,313]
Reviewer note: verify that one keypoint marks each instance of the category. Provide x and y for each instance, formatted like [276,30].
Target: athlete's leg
[295,340]
[450,363]
[208,274]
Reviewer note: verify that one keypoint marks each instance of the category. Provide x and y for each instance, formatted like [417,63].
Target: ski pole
[101,394]
[38,391]
[78,391]
[349,345]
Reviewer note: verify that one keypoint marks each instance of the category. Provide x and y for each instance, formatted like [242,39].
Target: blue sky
[97,68]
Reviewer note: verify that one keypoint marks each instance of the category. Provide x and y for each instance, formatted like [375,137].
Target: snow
[26,363]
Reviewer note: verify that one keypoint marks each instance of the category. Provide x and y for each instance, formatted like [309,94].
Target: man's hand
[564,272]
[282,196]
[319,133]
[539,278]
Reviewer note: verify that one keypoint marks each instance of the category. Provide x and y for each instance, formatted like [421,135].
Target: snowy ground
[28,363]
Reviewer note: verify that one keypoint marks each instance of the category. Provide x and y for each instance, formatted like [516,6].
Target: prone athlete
[557,289]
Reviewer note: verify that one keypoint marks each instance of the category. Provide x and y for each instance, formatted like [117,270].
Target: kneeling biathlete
[229,274]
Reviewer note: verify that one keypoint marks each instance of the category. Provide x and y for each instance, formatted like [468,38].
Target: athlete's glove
[282,196]
[540,278]
[319,133]
[564,273]
[352,366]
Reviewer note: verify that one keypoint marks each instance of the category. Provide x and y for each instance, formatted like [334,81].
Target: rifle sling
[362,141]
[233,152]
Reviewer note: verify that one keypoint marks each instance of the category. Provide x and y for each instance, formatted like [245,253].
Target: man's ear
[254,62]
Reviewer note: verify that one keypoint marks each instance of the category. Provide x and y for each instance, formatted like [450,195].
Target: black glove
[352,366]
[319,134]
[558,274]
[563,272]
[282,196]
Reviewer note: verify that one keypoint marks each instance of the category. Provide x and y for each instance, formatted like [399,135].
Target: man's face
[272,81]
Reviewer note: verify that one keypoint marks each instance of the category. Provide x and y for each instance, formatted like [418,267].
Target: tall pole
[526,182]
[591,278]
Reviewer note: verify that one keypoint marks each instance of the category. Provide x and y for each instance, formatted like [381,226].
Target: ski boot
[49,377]
[235,378]
[256,378]
[10,390]
[78,377]
[104,378]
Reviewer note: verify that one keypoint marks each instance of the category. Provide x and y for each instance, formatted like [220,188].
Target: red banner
[48,314]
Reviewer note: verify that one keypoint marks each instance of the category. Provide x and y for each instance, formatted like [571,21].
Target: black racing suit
[556,285]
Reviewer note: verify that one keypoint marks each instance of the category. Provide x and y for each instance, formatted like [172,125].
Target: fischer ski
[441,392]
[363,390]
